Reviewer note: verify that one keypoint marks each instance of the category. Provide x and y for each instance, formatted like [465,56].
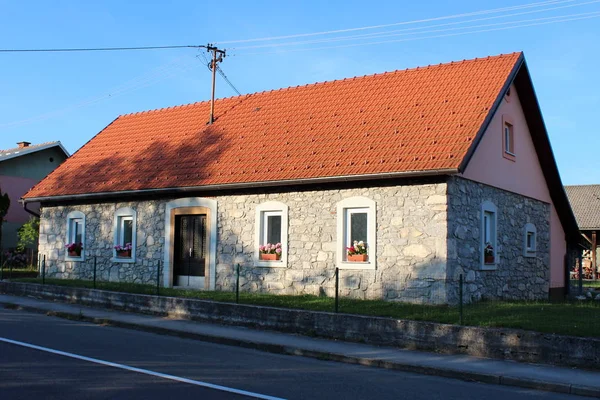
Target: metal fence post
[237,284]
[460,300]
[158,279]
[580,261]
[95,260]
[44,270]
[337,289]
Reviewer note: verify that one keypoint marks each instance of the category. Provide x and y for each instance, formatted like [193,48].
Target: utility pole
[217,57]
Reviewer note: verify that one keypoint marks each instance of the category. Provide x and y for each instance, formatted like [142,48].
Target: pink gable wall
[523,175]
[17,187]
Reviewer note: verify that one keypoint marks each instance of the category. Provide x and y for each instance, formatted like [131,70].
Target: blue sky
[71,96]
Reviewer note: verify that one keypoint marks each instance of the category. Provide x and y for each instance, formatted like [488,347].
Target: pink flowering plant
[357,248]
[125,247]
[270,249]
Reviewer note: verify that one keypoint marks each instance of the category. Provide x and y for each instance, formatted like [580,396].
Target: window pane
[77,231]
[530,240]
[486,227]
[273,229]
[127,231]
[358,227]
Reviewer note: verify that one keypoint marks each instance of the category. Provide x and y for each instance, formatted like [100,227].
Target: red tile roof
[421,119]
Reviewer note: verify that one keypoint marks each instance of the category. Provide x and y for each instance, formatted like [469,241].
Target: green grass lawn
[589,283]
[567,318]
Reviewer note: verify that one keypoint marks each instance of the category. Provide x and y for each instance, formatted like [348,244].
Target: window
[508,138]
[489,244]
[271,228]
[124,226]
[357,230]
[530,240]
[356,221]
[75,235]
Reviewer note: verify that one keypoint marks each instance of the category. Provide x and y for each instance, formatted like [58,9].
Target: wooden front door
[191,250]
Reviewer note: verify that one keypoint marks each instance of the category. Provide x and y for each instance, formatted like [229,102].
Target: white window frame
[489,208]
[344,209]
[508,138]
[262,211]
[530,251]
[73,215]
[120,215]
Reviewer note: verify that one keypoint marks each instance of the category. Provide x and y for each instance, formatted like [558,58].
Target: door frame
[191,206]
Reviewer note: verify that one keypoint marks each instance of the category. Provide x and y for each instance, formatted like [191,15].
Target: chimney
[22,145]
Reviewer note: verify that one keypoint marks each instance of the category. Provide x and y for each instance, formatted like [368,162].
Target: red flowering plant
[357,248]
[74,248]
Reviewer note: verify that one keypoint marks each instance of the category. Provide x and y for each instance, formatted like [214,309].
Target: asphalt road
[27,373]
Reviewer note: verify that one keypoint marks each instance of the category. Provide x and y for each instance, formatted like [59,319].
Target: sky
[72,96]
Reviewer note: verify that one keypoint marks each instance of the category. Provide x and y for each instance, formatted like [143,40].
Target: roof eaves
[244,185]
[543,148]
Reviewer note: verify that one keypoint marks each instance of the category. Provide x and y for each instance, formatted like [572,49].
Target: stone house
[20,169]
[427,166]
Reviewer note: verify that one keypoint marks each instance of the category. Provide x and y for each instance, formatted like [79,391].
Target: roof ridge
[30,146]
[366,76]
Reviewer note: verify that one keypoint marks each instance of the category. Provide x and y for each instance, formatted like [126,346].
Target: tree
[4,205]
[28,233]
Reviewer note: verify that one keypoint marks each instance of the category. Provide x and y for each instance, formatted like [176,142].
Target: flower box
[269,257]
[124,253]
[75,253]
[488,259]
[358,258]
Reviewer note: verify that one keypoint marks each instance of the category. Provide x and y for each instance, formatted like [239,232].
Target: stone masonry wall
[99,237]
[516,277]
[411,243]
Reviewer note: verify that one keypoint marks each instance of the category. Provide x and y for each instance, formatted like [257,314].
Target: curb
[320,355]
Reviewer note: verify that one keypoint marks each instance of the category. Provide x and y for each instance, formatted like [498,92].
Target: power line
[220,71]
[389,33]
[62,50]
[565,19]
[483,12]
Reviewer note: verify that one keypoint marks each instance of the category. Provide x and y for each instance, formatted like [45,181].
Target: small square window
[530,241]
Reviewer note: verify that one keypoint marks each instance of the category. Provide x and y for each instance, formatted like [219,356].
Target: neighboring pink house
[20,169]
